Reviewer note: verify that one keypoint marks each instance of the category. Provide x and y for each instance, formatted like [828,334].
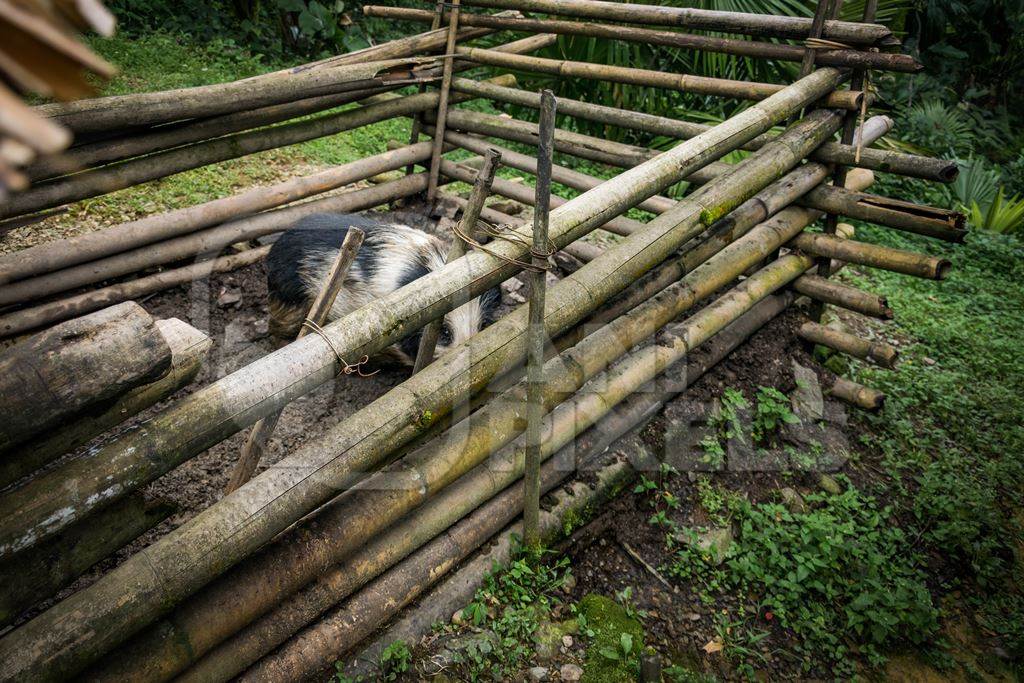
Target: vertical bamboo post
[417,122]
[252,451]
[535,329]
[470,215]
[857,82]
[442,105]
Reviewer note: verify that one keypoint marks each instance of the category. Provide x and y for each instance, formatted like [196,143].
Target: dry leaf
[714,645]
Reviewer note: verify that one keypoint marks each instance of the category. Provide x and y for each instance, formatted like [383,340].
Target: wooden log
[879,353]
[189,348]
[873,255]
[39,572]
[943,224]
[194,244]
[857,395]
[884,61]
[910,165]
[54,375]
[238,597]
[263,224]
[837,294]
[851,33]
[55,645]
[252,450]
[106,113]
[700,85]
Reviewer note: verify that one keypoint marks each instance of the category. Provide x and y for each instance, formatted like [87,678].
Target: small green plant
[771,413]
[395,660]
[1002,215]
[625,598]
[622,653]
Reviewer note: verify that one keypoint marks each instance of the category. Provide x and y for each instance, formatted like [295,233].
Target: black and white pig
[390,257]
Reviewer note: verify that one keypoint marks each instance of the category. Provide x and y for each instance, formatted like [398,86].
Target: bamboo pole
[417,122]
[536,334]
[700,85]
[192,244]
[442,104]
[294,560]
[355,200]
[39,572]
[119,111]
[879,353]
[943,224]
[851,33]
[182,561]
[189,348]
[857,395]
[886,61]
[53,376]
[467,226]
[873,255]
[252,450]
[856,154]
[837,294]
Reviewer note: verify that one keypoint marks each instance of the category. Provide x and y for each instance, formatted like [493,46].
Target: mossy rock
[608,620]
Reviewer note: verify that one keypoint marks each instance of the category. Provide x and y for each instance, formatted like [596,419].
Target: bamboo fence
[297,566]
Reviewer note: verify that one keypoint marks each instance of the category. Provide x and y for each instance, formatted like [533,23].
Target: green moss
[608,621]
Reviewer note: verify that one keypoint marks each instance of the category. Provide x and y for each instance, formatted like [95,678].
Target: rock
[829,485]
[547,639]
[229,297]
[567,640]
[457,618]
[807,399]
[569,583]
[515,297]
[714,542]
[507,206]
[793,501]
[928,361]
[570,672]
[537,673]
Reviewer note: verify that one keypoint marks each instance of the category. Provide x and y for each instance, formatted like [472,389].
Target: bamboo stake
[417,122]
[701,85]
[697,19]
[442,105]
[264,224]
[742,48]
[535,331]
[880,353]
[457,249]
[876,256]
[252,451]
[857,395]
[189,348]
[181,562]
[837,294]
[831,152]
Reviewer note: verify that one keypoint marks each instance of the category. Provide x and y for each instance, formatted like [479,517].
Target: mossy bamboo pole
[263,224]
[857,154]
[442,102]
[189,348]
[943,224]
[838,294]
[193,245]
[39,572]
[851,33]
[467,226]
[874,255]
[53,645]
[536,334]
[252,449]
[857,395]
[879,353]
[700,85]
[237,598]
[886,61]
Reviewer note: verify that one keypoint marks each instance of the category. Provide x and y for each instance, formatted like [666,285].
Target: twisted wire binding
[346,367]
[507,233]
